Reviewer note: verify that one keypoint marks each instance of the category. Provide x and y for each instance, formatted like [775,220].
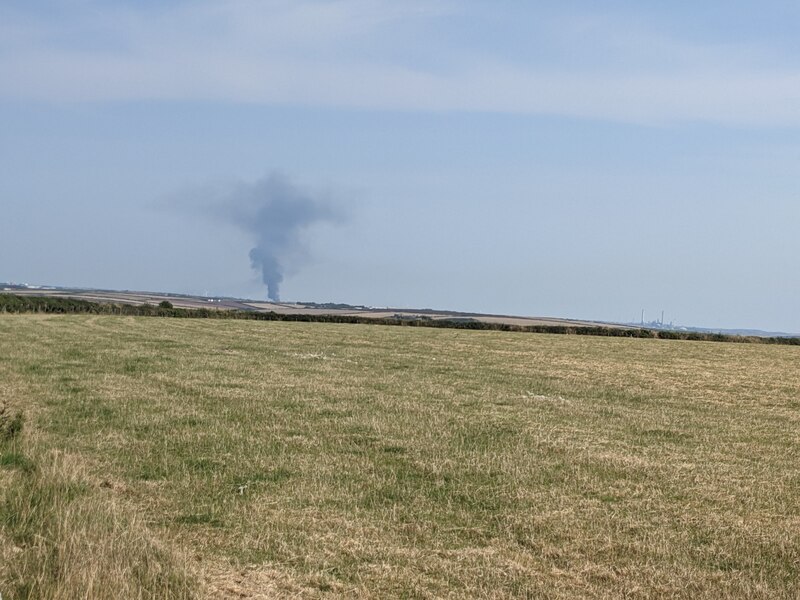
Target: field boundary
[15,304]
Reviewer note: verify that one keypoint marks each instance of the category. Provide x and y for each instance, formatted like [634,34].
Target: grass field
[195,458]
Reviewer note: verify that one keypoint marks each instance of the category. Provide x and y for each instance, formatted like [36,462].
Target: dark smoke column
[270,273]
[275,212]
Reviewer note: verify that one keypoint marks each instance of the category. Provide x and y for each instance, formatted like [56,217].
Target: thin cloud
[348,54]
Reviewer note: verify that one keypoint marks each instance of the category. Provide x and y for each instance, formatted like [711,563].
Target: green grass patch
[16,460]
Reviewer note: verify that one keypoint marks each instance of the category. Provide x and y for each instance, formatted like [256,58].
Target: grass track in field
[387,462]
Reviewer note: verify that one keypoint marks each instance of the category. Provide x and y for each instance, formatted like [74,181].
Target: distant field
[289,308]
[238,459]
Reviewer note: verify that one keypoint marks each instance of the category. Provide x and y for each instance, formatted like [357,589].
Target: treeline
[10,303]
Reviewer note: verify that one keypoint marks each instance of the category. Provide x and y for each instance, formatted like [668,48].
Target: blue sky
[571,159]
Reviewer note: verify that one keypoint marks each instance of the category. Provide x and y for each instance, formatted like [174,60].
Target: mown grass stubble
[375,461]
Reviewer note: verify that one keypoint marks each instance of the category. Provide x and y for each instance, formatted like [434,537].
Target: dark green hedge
[10,303]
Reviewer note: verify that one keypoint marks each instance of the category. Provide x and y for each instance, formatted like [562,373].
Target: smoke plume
[275,213]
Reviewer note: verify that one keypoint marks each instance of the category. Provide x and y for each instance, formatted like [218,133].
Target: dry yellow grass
[264,459]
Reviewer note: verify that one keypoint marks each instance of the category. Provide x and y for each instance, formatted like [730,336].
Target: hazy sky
[574,159]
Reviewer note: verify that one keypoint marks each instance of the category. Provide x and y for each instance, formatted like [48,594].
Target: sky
[570,159]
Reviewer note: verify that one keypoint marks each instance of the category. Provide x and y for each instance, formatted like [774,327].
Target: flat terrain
[239,459]
[291,308]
